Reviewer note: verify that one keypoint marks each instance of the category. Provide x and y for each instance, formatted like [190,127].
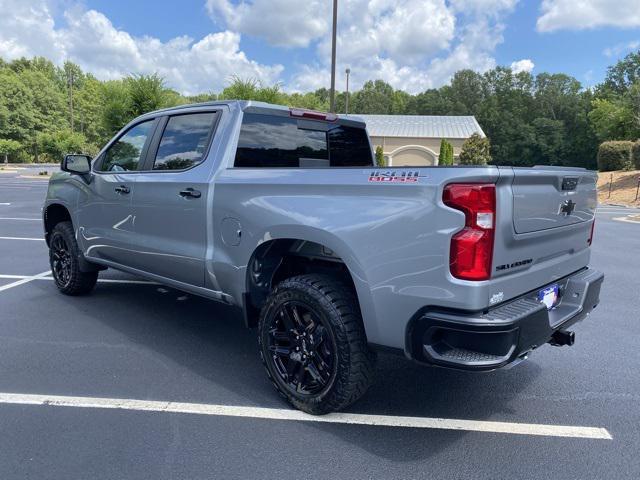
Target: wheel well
[53,215]
[280,259]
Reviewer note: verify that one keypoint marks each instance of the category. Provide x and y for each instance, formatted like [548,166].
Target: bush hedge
[635,154]
[615,156]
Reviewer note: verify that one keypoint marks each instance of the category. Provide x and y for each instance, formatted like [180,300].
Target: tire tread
[355,359]
[81,282]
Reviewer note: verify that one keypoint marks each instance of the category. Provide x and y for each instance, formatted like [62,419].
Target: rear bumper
[502,335]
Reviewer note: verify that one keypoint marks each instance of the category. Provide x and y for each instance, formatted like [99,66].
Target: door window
[184,141]
[124,155]
[280,142]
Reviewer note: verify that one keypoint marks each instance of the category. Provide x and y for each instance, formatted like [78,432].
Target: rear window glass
[184,141]
[272,141]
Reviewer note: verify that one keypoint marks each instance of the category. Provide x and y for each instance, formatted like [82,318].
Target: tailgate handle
[570,183]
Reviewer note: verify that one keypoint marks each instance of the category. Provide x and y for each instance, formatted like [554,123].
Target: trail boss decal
[392,176]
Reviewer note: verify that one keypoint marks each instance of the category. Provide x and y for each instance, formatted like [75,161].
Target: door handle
[122,190]
[190,193]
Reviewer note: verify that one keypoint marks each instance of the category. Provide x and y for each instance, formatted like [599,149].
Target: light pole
[346,100]
[332,93]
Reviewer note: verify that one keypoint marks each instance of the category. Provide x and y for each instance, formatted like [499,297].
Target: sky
[199,45]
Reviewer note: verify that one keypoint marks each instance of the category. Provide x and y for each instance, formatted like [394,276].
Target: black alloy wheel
[64,258]
[302,349]
[60,261]
[313,344]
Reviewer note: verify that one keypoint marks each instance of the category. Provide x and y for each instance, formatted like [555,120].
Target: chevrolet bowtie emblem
[567,208]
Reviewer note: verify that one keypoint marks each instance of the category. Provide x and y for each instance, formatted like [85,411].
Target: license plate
[549,296]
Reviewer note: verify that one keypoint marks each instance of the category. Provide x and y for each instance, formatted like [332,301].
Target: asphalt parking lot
[142,342]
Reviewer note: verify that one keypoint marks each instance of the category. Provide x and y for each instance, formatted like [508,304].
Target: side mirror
[78,164]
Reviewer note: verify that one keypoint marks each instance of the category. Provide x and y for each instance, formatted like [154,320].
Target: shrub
[380,157]
[54,145]
[476,150]
[446,153]
[615,156]
[9,149]
[635,154]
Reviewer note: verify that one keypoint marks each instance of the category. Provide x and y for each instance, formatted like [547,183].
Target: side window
[184,141]
[279,142]
[274,141]
[349,147]
[124,155]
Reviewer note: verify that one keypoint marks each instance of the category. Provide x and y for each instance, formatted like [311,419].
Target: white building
[414,140]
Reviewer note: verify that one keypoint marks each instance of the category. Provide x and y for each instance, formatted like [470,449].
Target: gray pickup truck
[282,213]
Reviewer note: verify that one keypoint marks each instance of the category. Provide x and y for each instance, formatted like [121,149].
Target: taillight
[593,226]
[471,251]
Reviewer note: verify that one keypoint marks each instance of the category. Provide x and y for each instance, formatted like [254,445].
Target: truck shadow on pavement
[209,340]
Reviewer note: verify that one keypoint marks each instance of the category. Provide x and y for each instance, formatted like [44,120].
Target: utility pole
[71,97]
[346,100]
[332,93]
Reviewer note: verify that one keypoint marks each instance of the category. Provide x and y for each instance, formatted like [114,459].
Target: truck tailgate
[548,197]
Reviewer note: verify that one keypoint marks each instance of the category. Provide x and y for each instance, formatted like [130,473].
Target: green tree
[446,153]
[115,106]
[53,146]
[622,75]
[476,150]
[89,106]
[241,89]
[252,89]
[375,97]
[146,93]
[611,119]
[380,157]
[18,116]
[9,150]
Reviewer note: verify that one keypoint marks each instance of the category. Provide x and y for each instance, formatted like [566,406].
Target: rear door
[170,204]
[105,217]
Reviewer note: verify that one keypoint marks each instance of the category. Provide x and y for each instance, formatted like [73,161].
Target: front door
[105,216]
[170,204]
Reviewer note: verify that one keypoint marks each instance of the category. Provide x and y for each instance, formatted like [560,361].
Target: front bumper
[502,335]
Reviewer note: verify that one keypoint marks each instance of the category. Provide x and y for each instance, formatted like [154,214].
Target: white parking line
[627,219]
[100,280]
[295,415]
[22,219]
[23,238]
[24,280]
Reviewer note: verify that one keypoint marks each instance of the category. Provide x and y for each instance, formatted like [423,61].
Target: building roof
[421,126]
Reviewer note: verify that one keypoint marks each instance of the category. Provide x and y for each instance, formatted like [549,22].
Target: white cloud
[283,23]
[621,48]
[486,7]
[411,44]
[586,14]
[524,65]
[91,40]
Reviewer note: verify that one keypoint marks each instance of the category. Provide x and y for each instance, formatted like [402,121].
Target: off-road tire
[78,282]
[334,302]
